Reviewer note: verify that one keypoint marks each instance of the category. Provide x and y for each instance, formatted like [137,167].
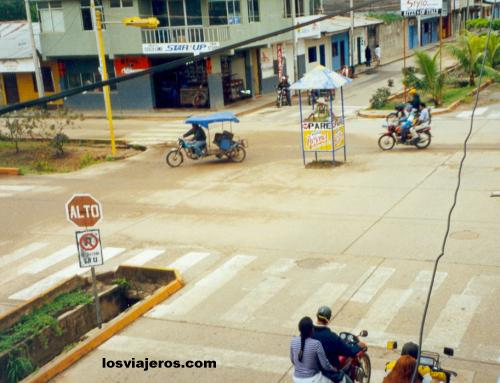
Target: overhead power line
[176,63]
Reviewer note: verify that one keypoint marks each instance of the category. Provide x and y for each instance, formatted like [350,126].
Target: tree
[468,50]
[15,10]
[427,77]
[493,51]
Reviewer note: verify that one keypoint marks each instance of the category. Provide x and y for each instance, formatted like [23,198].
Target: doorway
[342,53]
[11,91]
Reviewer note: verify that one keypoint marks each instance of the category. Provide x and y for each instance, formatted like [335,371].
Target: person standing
[368,56]
[378,54]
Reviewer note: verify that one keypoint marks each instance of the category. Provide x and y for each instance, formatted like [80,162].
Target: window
[77,79]
[299,8]
[224,12]
[51,16]
[312,54]
[315,7]
[48,82]
[121,3]
[87,14]
[253,11]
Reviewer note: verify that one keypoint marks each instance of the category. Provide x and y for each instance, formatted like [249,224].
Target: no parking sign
[89,248]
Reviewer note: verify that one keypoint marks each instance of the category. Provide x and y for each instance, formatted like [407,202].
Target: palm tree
[468,50]
[493,51]
[431,80]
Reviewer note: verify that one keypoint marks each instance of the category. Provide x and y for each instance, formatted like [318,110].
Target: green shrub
[380,98]
[482,24]
[386,17]
[57,142]
[43,166]
[86,160]
[19,366]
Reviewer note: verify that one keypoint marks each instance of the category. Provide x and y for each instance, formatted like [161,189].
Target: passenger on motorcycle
[403,371]
[199,141]
[333,345]
[308,356]
[284,84]
[407,123]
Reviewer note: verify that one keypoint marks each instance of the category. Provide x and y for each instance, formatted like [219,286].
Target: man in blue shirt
[199,139]
[333,345]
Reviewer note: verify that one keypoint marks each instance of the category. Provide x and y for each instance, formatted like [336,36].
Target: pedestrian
[368,55]
[378,54]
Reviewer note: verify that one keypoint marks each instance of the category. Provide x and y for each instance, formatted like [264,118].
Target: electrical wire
[176,63]
[455,198]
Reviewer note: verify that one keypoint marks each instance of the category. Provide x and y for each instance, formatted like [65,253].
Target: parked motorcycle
[392,136]
[281,98]
[359,367]
[430,364]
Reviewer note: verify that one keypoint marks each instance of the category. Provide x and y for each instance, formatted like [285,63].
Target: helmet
[411,349]
[283,78]
[325,313]
[413,91]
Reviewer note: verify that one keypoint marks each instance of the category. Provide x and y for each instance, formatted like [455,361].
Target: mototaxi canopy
[205,121]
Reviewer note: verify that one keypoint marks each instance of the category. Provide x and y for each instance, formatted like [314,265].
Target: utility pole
[294,37]
[97,23]
[351,43]
[34,53]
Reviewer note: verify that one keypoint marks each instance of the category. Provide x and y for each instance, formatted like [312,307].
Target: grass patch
[39,158]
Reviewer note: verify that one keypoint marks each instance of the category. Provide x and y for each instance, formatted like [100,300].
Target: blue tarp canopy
[210,119]
[321,78]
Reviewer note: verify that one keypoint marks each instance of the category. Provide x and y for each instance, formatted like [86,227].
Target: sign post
[85,211]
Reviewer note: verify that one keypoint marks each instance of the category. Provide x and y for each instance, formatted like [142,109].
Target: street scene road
[262,243]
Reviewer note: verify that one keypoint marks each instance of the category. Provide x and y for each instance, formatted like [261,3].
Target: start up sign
[421,7]
[179,48]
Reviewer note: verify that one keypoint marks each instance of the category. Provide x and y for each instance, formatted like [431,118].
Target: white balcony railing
[188,34]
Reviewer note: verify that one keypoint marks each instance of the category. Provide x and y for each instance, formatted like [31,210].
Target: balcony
[188,34]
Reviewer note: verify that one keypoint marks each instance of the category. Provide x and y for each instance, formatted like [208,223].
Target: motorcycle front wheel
[366,365]
[279,102]
[175,158]
[386,142]
[425,140]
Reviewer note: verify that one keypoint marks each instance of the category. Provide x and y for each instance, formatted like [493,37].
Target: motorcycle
[430,364]
[358,367]
[393,118]
[392,136]
[282,98]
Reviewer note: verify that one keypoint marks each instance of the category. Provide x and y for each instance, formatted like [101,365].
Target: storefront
[340,51]
[429,30]
[413,33]
[234,76]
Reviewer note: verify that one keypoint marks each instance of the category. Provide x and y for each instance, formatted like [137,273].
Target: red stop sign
[83,210]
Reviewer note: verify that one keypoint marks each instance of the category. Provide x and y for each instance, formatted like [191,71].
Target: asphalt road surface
[265,242]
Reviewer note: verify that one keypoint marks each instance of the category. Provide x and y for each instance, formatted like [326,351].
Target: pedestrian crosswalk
[15,189]
[164,133]
[247,290]
[485,113]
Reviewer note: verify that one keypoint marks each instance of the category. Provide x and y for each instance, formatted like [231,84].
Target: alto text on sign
[89,248]
[83,210]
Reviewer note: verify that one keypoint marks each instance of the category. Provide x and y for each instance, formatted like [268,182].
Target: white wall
[326,41]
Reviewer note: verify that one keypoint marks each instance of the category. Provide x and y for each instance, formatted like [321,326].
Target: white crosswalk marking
[188,260]
[325,295]
[203,288]
[5,195]
[144,257]
[16,188]
[423,279]
[482,285]
[262,293]
[468,113]
[53,279]
[21,253]
[494,115]
[46,262]
[370,288]
[453,321]
[180,351]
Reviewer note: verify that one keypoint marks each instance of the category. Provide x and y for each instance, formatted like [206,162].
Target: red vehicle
[358,368]
[392,136]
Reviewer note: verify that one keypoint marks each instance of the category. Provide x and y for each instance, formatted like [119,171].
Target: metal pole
[97,22]
[404,57]
[343,120]
[332,127]
[302,128]
[96,298]
[351,42]
[294,37]
[34,53]
[441,43]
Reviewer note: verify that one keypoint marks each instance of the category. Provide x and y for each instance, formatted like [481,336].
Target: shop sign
[311,31]
[280,60]
[421,7]
[317,136]
[266,62]
[130,64]
[179,48]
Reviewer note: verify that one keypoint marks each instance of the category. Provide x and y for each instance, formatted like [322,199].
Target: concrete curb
[66,360]
[450,108]
[10,171]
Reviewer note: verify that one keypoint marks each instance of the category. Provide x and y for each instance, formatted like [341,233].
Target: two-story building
[187,27]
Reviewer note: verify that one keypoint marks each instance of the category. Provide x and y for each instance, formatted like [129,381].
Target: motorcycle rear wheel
[366,365]
[386,142]
[238,154]
[425,140]
[175,158]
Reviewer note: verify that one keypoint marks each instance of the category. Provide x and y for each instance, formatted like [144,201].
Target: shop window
[315,7]
[77,79]
[87,14]
[223,12]
[121,3]
[48,82]
[51,16]
[312,54]
[253,11]
[299,8]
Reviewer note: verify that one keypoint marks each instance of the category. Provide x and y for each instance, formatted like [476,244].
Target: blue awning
[216,117]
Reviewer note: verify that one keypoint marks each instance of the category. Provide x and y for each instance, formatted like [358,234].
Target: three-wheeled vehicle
[223,145]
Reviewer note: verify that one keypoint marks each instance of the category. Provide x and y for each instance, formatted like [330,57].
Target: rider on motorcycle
[333,345]
[285,85]
[199,141]
[407,122]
